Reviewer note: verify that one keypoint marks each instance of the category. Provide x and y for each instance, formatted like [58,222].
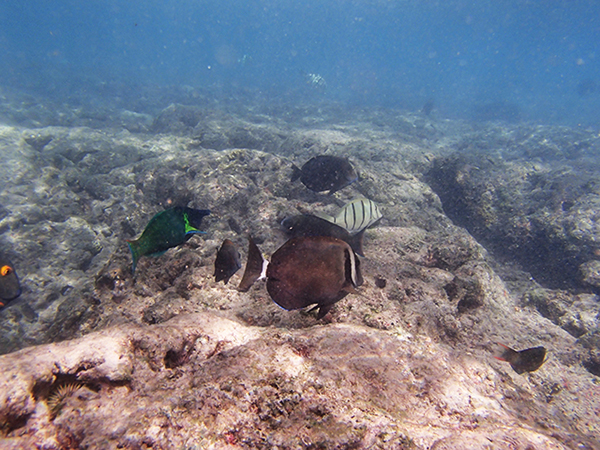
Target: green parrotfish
[167,229]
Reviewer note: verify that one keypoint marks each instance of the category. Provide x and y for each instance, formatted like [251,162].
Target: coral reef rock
[202,381]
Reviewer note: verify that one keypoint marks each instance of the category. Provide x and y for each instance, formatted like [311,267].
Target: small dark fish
[325,172]
[308,225]
[9,282]
[309,270]
[167,229]
[528,360]
[254,266]
[227,262]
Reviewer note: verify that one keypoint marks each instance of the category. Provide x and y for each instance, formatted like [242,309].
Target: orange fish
[9,282]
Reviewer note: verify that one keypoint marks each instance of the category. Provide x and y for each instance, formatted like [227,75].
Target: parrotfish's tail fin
[254,266]
[356,242]
[134,254]
[190,233]
[297,173]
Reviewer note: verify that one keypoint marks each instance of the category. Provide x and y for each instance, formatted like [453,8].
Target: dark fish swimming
[528,360]
[308,225]
[167,229]
[227,262]
[10,287]
[254,266]
[325,172]
[311,270]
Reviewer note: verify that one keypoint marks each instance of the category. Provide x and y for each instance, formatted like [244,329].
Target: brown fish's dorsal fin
[254,266]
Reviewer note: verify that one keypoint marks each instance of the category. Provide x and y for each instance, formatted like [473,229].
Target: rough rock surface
[171,359]
[532,196]
[201,381]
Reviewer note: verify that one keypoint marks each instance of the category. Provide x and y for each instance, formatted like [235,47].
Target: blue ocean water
[518,59]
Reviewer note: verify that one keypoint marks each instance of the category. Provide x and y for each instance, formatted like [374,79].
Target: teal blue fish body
[166,230]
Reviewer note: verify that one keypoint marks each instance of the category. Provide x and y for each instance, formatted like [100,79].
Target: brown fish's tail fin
[508,354]
[254,266]
[297,173]
[356,242]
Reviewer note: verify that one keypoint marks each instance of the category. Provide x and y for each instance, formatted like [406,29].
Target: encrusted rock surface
[542,213]
[171,359]
[202,381]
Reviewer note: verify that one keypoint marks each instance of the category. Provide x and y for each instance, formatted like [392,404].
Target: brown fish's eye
[5,270]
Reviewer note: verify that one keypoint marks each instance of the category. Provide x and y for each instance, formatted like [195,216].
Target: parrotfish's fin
[194,231]
[156,254]
[134,254]
[189,229]
[297,173]
[254,266]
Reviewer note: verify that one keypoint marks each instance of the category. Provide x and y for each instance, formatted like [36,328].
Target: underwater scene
[271,224]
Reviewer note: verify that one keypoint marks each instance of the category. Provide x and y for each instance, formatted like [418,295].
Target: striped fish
[356,215]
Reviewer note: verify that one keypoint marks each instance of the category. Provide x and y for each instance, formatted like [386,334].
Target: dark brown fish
[227,262]
[528,360]
[308,225]
[325,172]
[313,269]
[254,266]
